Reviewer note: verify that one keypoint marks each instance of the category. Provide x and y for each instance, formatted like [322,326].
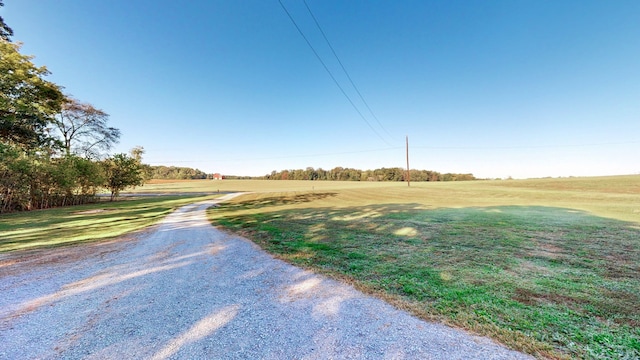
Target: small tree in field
[122,171]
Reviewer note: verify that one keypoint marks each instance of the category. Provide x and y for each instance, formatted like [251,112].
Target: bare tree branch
[84,130]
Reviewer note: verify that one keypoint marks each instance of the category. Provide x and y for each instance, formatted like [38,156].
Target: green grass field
[548,266]
[78,224]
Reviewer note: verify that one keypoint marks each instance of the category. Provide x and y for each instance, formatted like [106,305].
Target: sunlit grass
[213,186]
[615,197]
[548,266]
[78,224]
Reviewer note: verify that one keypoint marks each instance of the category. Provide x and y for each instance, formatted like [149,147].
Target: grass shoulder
[553,281]
[79,224]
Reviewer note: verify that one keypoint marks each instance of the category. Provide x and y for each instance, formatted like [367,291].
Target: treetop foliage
[173,173]
[5,31]
[349,174]
[28,102]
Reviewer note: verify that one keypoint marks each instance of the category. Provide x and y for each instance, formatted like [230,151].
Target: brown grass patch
[545,250]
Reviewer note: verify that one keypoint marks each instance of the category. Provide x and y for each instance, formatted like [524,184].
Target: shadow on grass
[278,201]
[79,224]
[553,279]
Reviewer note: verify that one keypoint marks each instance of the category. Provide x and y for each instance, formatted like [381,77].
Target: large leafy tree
[84,130]
[31,108]
[28,102]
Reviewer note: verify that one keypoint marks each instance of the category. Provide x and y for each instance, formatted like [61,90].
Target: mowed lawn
[86,223]
[548,266]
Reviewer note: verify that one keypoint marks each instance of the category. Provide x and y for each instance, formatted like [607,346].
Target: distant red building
[217,176]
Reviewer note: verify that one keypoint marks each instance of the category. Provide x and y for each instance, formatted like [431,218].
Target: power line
[523,147]
[344,69]
[323,154]
[294,156]
[413,147]
[419,147]
[331,74]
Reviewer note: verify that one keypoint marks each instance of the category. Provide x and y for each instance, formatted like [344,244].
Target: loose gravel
[184,290]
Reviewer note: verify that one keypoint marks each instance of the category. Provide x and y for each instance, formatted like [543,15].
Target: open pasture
[213,186]
[615,197]
[547,266]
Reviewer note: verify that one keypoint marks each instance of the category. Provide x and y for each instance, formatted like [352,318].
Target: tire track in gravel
[184,290]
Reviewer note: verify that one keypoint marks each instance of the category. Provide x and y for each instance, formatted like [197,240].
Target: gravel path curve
[184,290]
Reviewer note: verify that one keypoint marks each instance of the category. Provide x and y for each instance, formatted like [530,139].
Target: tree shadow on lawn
[534,231]
[277,201]
[561,275]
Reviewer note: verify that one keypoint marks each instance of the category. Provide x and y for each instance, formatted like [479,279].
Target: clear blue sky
[495,88]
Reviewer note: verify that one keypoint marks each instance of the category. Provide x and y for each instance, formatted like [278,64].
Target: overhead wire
[523,146]
[344,69]
[330,73]
[294,156]
[417,147]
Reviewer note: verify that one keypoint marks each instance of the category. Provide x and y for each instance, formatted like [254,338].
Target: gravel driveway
[184,290]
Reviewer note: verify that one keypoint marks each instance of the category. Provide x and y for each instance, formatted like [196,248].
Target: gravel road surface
[184,290]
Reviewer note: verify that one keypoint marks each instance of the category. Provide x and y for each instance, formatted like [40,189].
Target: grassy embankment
[79,224]
[549,266]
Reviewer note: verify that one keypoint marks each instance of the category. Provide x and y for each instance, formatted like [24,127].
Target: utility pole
[408,171]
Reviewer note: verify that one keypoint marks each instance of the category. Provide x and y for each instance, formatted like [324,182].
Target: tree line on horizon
[162,172]
[350,174]
[54,149]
